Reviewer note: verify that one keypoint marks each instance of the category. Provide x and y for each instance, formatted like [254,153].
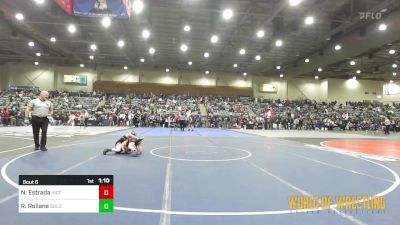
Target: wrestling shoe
[106,150]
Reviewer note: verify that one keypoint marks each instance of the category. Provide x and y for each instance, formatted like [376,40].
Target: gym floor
[210,176]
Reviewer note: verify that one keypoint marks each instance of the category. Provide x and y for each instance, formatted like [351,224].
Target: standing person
[387,125]
[182,122]
[86,117]
[41,108]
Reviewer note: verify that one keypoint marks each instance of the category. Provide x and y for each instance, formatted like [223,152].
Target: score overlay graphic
[66,194]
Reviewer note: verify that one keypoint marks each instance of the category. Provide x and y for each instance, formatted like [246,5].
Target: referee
[41,109]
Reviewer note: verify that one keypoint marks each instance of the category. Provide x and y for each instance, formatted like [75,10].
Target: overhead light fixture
[258,57]
[278,67]
[280,75]
[19,16]
[227,14]
[235,65]
[394,74]
[316,77]
[394,65]
[190,63]
[121,43]
[391,81]
[106,22]
[244,74]
[214,39]
[82,65]
[53,39]
[382,27]
[294,2]
[207,72]
[38,54]
[152,50]
[338,47]
[91,57]
[278,43]
[242,51]
[352,63]
[71,28]
[320,69]
[31,44]
[142,60]
[125,67]
[260,33]
[186,28]
[184,48]
[137,6]
[145,34]
[358,71]
[206,55]
[39,2]
[392,51]
[307,60]
[309,20]
[354,78]
[93,47]
[36,63]
[379,96]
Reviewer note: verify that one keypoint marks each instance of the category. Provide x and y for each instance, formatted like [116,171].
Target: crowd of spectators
[150,110]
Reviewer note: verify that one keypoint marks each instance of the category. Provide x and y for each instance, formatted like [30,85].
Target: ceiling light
[184,48]
[207,72]
[121,43]
[82,65]
[206,55]
[186,28]
[71,28]
[382,27]
[227,14]
[152,50]
[260,33]
[38,54]
[320,69]
[93,47]
[316,77]
[137,6]
[141,60]
[125,67]
[278,43]
[354,78]
[145,33]
[309,20]
[358,71]
[379,96]
[307,60]
[338,47]
[235,65]
[394,74]
[394,65]
[91,57]
[190,63]
[281,75]
[31,44]
[294,2]
[278,67]
[19,16]
[352,63]
[53,39]
[242,51]
[214,39]
[392,51]
[391,81]
[106,22]
[36,63]
[258,57]
[39,2]
[245,74]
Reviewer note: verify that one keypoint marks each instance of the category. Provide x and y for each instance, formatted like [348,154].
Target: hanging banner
[66,5]
[101,8]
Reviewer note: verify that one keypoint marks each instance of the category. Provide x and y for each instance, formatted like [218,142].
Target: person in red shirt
[5,115]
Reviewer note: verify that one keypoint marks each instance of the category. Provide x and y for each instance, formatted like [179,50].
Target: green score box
[106,205]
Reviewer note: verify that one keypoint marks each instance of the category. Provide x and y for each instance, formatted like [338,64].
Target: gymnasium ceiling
[336,22]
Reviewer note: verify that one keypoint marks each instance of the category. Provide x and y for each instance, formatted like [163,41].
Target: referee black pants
[37,124]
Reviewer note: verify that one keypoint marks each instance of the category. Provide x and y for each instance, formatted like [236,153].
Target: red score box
[106,192]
